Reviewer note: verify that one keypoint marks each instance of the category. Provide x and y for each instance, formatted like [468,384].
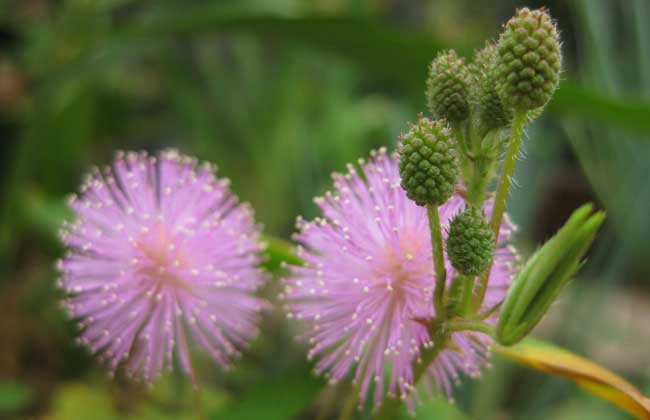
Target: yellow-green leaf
[587,374]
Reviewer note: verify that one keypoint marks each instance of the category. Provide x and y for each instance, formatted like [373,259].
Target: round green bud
[470,244]
[428,163]
[528,60]
[448,87]
[492,114]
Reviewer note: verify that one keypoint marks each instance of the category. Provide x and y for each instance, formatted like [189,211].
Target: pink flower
[368,276]
[161,250]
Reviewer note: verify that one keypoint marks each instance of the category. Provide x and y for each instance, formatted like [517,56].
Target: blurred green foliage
[279,94]
[14,397]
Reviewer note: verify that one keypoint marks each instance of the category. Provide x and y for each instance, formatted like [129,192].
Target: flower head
[367,282]
[160,251]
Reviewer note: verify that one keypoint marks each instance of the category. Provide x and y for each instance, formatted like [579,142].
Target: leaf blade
[373,45]
[587,374]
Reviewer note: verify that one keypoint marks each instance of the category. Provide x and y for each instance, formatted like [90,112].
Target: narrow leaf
[587,374]
[546,274]
[630,113]
[382,50]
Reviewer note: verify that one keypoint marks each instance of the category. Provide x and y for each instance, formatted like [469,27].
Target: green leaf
[14,397]
[631,113]
[367,42]
[587,374]
[380,49]
[278,397]
[545,275]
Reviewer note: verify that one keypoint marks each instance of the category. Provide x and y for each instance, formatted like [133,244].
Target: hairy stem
[482,171]
[465,158]
[459,294]
[514,144]
[466,296]
[503,190]
[478,183]
[438,262]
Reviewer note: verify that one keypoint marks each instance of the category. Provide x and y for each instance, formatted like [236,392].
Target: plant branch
[438,262]
[514,144]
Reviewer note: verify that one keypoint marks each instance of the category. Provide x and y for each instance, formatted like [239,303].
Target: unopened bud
[428,163]
[492,113]
[528,61]
[448,87]
[470,244]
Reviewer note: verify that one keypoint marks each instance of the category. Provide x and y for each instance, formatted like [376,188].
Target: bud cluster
[519,73]
[480,110]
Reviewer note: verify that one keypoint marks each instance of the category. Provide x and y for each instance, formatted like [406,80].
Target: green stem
[474,140]
[465,159]
[454,292]
[438,262]
[462,325]
[460,139]
[196,400]
[481,174]
[466,297]
[478,183]
[459,293]
[429,354]
[441,333]
[390,407]
[514,144]
[348,408]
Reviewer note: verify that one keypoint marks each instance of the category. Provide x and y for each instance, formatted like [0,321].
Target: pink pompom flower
[161,251]
[367,282]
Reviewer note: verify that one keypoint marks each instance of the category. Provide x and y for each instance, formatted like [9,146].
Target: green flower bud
[492,114]
[470,244]
[546,274]
[428,163]
[528,60]
[448,87]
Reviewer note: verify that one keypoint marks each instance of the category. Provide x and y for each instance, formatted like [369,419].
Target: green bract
[428,164]
[470,244]
[448,87]
[528,60]
[545,274]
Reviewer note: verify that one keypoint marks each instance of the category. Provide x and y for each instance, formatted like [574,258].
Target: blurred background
[280,93]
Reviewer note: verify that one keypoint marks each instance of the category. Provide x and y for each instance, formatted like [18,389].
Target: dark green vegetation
[279,94]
